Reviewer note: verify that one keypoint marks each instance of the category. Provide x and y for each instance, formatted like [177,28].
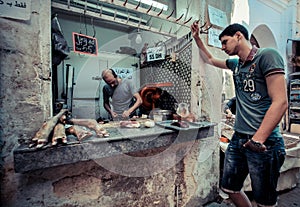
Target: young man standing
[257,146]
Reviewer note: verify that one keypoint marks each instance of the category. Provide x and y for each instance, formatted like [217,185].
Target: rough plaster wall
[187,183]
[24,85]
[206,86]
[201,177]
[25,104]
[206,80]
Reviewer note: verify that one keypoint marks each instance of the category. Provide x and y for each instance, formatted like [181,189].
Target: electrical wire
[94,30]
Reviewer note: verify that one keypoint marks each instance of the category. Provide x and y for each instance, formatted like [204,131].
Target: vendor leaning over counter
[124,95]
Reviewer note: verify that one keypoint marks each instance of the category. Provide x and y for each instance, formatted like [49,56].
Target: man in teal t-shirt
[257,147]
[249,78]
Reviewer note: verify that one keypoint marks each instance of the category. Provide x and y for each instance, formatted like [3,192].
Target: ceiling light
[138,39]
[154,4]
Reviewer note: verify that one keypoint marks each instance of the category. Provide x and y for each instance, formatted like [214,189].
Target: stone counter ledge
[121,140]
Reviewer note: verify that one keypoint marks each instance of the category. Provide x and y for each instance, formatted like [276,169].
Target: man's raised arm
[204,53]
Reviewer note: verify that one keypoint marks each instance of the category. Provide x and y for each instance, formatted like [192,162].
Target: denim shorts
[263,168]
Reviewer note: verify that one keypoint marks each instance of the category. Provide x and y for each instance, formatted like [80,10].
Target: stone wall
[25,103]
[25,86]
[192,181]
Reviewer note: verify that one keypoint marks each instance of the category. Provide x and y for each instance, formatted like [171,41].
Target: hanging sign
[217,17]
[15,9]
[213,37]
[84,44]
[155,53]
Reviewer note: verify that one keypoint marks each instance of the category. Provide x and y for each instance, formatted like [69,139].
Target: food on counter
[40,138]
[181,124]
[59,133]
[91,124]
[79,132]
[190,118]
[149,123]
[144,116]
[130,124]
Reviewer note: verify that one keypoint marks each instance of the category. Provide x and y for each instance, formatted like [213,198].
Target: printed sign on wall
[124,72]
[155,53]
[213,37]
[217,17]
[15,9]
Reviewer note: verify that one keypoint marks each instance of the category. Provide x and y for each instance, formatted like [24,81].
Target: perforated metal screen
[178,72]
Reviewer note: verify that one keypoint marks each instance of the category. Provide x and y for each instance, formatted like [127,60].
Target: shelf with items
[295,107]
[295,81]
[294,91]
[295,87]
[294,101]
[295,97]
[295,104]
[295,115]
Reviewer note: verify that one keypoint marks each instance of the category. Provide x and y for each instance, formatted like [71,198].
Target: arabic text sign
[85,44]
[213,37]
[15,9]
[217,17]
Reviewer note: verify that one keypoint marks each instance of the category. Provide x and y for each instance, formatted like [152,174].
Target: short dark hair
[232,29]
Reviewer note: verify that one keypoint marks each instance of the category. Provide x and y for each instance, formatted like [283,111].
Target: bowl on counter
[161,115]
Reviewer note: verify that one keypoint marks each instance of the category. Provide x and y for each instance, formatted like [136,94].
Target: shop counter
[120,141]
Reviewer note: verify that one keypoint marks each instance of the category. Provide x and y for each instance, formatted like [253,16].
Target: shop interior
[120,39]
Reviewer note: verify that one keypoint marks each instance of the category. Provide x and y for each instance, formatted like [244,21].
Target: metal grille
[178,72]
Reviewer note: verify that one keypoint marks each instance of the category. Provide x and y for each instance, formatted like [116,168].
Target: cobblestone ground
[288,198]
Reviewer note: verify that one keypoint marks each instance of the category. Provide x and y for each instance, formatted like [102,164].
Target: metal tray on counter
[192,125]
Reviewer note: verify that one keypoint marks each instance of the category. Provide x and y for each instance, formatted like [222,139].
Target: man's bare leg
[240,199]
